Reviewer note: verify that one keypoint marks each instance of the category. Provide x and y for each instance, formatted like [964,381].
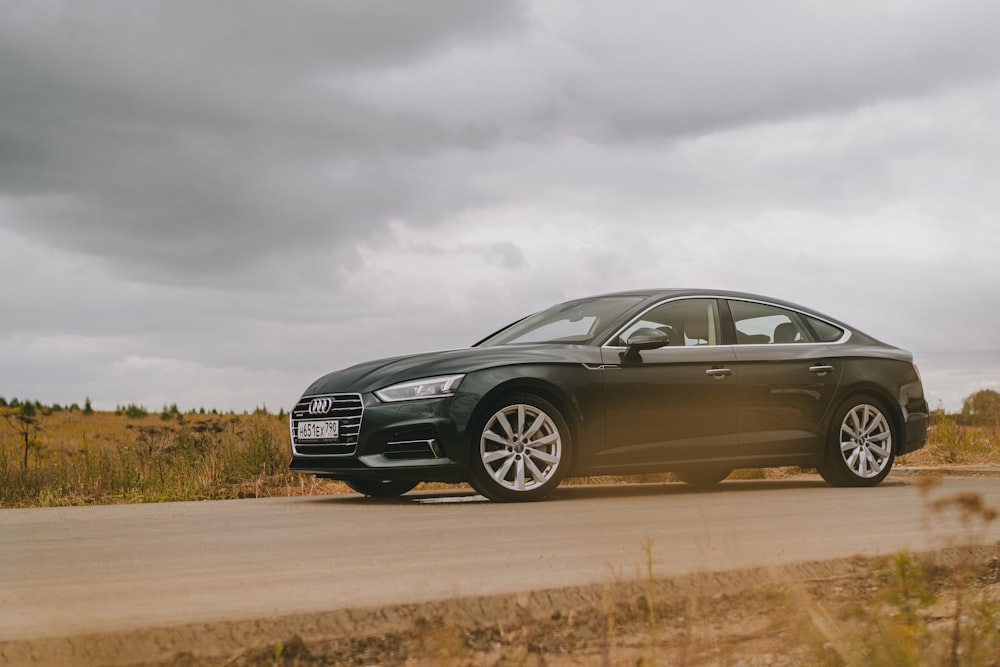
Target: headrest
[785,333]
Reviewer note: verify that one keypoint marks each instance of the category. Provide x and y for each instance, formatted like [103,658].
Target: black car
[695,382]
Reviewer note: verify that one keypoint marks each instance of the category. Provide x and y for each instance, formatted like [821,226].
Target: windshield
[573,322]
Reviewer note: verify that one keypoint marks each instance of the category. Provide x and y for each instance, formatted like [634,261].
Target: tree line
[979,409]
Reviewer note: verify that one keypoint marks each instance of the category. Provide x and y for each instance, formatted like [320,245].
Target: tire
[380,488]
[860,445]
[521,450]
[702,476]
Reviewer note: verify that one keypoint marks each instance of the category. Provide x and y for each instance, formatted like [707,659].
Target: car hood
[373,375]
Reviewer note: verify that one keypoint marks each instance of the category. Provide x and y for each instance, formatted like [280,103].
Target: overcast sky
[213,203]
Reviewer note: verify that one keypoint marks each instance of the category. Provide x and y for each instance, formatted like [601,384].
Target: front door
[674,404]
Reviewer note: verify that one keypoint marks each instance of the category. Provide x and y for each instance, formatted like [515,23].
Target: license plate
[319,430]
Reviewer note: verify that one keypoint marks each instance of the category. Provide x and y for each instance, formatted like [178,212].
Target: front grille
[346,409]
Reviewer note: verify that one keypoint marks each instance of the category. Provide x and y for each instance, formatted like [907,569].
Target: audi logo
[320,406]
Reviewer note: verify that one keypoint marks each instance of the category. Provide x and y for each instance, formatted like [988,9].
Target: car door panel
[785,393]
[675,404]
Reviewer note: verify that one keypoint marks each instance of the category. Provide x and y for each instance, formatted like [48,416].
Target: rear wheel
[860,445]
[380,488]
[521,451]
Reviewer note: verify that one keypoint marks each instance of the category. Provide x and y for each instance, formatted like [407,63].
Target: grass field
[69,457]
[74,458]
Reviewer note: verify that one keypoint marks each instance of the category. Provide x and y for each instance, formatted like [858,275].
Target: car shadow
[591,491]
[679,488]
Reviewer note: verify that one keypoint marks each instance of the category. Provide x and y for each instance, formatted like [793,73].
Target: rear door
[787,379]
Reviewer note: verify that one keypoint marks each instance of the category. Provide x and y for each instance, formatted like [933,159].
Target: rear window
[759,323]
[825,332]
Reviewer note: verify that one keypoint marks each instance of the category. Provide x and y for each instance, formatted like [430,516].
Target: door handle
[821,369]
[718,373]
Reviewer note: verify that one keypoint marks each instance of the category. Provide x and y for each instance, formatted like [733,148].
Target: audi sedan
[694,382]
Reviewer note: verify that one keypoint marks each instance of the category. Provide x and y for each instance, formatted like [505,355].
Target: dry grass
[74,458]
[951,443]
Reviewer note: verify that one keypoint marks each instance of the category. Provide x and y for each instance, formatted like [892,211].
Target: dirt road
[71,571]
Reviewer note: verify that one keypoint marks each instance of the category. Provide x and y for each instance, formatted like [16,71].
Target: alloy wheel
[865,441]
[521,447]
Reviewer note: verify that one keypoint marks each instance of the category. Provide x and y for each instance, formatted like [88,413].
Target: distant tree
[3,402]
[982,408]
[25,423]
[132,411]
[170,412]
[87,409]
[14,403]
[74,407]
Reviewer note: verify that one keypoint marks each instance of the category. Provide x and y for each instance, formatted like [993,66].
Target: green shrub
[131,410]
[982,409]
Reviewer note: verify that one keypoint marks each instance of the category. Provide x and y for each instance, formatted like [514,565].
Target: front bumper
[411,440]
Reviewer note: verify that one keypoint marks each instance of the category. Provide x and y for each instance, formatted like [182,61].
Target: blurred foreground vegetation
[72,455]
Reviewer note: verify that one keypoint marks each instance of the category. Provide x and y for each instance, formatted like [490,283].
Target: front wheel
[521,451]
[860,445]
[380,488]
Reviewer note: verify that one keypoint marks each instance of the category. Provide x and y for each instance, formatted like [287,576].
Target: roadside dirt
[819,613]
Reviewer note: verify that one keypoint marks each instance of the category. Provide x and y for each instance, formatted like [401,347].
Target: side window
[758,323]
[825,332]
[686,321]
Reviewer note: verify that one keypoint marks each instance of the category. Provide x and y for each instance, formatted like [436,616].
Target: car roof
[664,293]
[701,291]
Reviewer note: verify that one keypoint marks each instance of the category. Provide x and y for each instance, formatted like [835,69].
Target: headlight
[416,389]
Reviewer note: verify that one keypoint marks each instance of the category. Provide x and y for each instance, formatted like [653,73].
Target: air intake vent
[412,449]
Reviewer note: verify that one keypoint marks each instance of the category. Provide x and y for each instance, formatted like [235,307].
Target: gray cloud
[165,137]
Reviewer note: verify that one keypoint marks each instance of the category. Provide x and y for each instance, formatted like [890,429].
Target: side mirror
[644,339]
